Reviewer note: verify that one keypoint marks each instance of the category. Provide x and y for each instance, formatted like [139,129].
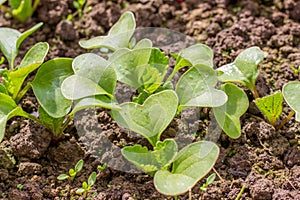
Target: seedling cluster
[63,86]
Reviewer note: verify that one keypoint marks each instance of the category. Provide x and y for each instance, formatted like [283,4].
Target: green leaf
[92,178]
[151,118]
[118,36]
[143,44]
[130,65]
[271,106]
[211,179]
[291,95]
[32,60]
[79,165]
[77,87]
[11,39]
[228,115]
[194,55]
[72,173]
[3,89]
[80,191]
[96,101]
[196,88]
[92,77]
[23,11]
[35,55]
[151,161]
[53,124]
[62,177]
[191,164]
[244,68]
[8,109]
[47,86]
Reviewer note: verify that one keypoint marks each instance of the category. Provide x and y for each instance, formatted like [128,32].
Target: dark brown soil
[265,161]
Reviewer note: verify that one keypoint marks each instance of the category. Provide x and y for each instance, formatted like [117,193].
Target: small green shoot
[208,182]
[86,186]
[295,70]
[20,9]
[79,5]
[102,167]
[20,187]
[72,172]
[271,107]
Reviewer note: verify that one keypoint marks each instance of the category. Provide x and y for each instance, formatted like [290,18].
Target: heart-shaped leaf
[196,88]
[47,86]
[191,164]
[151,161]
[244,68]
[151,118]
[92,77]
[195,54]
[33,59]
[8,109]
[271,106]
[228,115]
[118,36]
[11,39]
[291,96]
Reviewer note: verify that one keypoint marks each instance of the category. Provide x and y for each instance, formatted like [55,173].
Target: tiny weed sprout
[20,9]
[79,5]
[86,186]
[208,182]
[72,172]
[101,167]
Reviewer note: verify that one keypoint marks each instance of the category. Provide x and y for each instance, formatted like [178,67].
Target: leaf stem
[66,123]
[220,177]
[240,193]
[255,93]
[287,118]
[171,75]
[36,3]
[22,92]
[33,118]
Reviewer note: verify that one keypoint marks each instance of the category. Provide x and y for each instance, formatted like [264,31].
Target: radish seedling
[72,172]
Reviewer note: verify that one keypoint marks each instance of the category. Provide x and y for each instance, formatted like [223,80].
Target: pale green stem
[285,120]
[240,193]
[22,93]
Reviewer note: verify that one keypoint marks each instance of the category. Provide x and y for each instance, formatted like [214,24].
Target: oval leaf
[151,118]
[8,109]
[291,96]
[151,161]
[228,115]
[196,88]
[118,36]
[47,86]
[191,164]
[77,87]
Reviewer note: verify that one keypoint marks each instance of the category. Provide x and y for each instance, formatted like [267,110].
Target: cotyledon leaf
[196,88]
[228,115]
[118,36]
[151,118]
[191,164]
[291,95]
[151,161]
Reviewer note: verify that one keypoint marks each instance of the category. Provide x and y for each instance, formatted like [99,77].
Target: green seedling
[244,69]
[228,115]
[295,69]
[79,5]
[20,9]
[101,168]
[72,172]
[271,107]
[86,186]
[208,182]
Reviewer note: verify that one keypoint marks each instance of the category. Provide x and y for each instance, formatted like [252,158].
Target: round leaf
[291,95]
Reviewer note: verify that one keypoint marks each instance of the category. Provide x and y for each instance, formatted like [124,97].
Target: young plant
[72,172]
[244,69]
[208,182]
[11,90]
[20,9]
[86,186]
[79,5]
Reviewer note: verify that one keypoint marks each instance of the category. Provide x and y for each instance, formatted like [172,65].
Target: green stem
[66,123]
[255,93]
[241,193]
[282,123]
[22,92]
[36,3]
[33,118]
[171,75]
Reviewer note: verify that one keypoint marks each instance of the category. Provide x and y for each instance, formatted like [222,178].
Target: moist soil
[263,161]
